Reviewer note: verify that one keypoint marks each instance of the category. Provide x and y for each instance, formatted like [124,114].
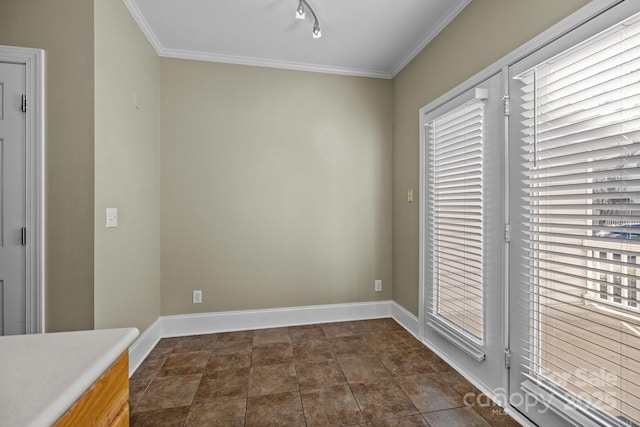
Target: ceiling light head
[300,11]
[316,30]
[303,6]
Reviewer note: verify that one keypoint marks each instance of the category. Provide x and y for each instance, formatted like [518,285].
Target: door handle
[23,232]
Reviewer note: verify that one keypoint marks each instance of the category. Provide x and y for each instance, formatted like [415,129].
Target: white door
[13,215]
[462,222]
[575,209]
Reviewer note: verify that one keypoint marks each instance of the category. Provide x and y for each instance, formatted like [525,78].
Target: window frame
[463,338]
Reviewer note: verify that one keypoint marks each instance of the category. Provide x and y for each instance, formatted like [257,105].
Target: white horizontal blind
[581,151]
[454,217]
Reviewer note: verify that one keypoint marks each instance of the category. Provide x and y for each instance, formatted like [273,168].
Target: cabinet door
[103,403]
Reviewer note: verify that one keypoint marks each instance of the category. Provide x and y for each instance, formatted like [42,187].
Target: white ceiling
[373,38]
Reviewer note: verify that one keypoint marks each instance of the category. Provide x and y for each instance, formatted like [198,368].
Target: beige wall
[64,29]
[127,171]
[484,32]
[276,187]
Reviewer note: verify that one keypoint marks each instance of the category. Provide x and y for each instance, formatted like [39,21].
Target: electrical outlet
[378,285]
[197,297]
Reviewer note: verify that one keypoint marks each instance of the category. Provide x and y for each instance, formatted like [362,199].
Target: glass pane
[581,134]
[456,179]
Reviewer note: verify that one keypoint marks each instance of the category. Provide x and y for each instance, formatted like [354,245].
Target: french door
[530,226]
[574,143]
[462,223]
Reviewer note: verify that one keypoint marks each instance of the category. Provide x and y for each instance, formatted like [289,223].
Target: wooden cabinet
[77,378]
[105,403]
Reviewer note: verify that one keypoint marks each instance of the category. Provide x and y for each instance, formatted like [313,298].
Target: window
[461,225]
[579,118]
[462,214]
[455,164]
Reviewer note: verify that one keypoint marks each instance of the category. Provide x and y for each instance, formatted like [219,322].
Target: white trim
[271,63]
[422,215]
[506,254]
[34,65]
[435,30]
[144,25]
[209,323]
[579,17]
[142,346]
[518,417]
[405,318]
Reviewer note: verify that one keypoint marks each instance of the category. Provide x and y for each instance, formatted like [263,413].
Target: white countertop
[42,375]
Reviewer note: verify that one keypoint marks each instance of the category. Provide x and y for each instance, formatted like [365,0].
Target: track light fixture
[300,14]
[316,30]
[300,11]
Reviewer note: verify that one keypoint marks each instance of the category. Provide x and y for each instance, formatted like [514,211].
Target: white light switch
[112,217]
[197,297]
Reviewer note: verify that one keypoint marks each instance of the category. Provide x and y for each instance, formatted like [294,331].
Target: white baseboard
[405,318]
[228,321]
[141,347]
[211,323]
[521,419]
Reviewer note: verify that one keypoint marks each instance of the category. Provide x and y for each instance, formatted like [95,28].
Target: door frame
[572,21]
[33,59]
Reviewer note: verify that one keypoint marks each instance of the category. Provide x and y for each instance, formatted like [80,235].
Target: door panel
[574,309]
[12,200]
[463,283]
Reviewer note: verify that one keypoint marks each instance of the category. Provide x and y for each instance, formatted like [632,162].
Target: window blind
[581,155]
[454,190]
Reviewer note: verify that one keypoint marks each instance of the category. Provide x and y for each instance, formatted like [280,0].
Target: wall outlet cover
[112,217]
[197,297]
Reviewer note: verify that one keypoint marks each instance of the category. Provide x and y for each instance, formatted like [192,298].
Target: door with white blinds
[455,203]
[575,209]
[462,215]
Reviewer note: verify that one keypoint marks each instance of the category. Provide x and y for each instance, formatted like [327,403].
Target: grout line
[300,394]
[335,357]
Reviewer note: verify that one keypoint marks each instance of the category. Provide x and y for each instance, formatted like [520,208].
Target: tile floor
[366,373]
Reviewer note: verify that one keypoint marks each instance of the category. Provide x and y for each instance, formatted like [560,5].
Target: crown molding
[446,20]
[144,25]
[270,63]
